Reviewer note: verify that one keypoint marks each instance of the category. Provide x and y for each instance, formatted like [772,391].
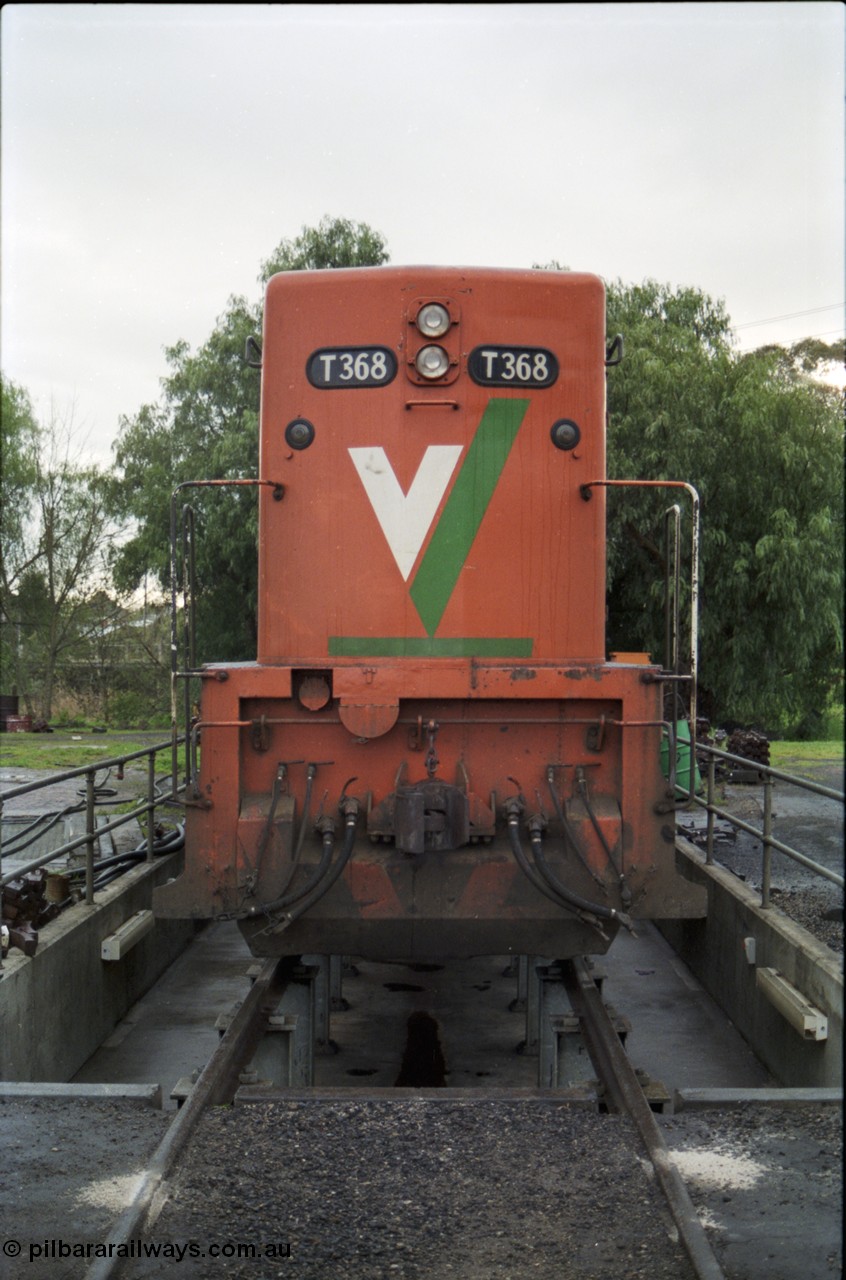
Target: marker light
[433,320]
[431,362]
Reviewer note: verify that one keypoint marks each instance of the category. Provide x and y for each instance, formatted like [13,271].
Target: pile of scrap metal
[752,746]
[27,908]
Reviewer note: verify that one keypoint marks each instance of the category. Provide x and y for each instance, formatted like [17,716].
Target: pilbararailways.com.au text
[167,1250]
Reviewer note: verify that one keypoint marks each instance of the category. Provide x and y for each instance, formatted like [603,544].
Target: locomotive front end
[432,755]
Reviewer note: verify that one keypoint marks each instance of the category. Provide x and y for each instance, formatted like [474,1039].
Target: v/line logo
[406,518]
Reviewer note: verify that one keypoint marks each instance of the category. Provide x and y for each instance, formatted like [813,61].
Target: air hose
[544,879]
[322,880]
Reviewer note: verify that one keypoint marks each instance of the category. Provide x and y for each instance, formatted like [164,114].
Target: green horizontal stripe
[430,647]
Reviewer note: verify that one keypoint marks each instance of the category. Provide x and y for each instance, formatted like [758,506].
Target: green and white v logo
[406,518]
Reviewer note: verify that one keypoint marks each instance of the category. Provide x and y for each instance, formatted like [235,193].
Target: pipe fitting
[513,809]
[350,808]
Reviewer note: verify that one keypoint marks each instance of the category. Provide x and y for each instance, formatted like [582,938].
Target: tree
[762,443]
[759,437]
[58,536]
[18,552]
[20,439]
[335,242]
[206,427]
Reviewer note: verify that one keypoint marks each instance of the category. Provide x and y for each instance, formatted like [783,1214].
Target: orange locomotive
[431,756]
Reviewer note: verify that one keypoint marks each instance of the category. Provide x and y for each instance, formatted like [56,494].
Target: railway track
[623,1093]
[217,1083]
[619,1086]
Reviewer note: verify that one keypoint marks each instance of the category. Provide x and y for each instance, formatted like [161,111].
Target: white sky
[154,155]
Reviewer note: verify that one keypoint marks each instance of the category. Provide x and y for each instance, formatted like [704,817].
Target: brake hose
[546,882]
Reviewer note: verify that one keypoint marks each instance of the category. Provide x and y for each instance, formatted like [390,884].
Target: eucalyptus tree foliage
[762,442]
[20,438]
[334,242]
[205,426]
[758,436]
[58,535]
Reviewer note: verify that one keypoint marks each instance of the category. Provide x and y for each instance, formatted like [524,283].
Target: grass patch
[70,750]
[805,757]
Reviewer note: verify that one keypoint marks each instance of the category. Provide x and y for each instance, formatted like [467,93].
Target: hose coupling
[350,807]
[513,810]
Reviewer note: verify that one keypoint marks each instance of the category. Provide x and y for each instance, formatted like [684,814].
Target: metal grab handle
[585,491]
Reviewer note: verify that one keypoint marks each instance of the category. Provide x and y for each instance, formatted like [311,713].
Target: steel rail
[625,1095]
[217,1083]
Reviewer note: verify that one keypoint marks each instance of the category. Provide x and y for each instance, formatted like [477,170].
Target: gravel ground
[809,823]
[66,1173]
[420,1188]
[768,1186]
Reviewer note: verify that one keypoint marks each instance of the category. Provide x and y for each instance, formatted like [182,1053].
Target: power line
[791,315]
[831,333]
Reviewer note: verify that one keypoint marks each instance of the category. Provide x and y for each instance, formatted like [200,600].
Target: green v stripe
[466,505]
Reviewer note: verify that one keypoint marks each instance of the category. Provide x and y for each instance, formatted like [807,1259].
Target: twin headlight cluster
[433,321]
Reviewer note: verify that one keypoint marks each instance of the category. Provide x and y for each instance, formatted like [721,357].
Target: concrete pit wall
[58,1006]
[714,950]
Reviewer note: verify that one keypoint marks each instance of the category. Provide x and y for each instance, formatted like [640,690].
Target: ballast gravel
[417,1187]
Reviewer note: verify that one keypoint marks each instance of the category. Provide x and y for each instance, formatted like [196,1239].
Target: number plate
[512,366]
[335,367]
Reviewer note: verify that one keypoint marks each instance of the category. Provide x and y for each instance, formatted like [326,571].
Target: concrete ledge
[58,1006]
[717,950]
[691,1099]
[150,1094]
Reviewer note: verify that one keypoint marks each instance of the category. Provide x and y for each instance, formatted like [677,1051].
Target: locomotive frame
[432,755]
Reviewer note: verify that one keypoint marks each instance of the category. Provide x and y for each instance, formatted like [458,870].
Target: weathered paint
[433,563]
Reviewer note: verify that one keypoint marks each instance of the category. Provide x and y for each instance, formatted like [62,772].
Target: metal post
[151,801]
[767,834]
[89,831]
[321,1000]
[518,1005]
[709,848]
[672,583]
[554,1006]
[336,984]
[533,999]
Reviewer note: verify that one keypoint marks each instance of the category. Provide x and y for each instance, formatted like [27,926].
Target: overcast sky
[153,156]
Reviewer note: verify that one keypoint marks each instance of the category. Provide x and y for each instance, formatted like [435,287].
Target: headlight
[433,320]
[431,362]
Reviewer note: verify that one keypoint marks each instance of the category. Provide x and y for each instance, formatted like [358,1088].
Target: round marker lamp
[565,434]
[431,362]
[299,433]
[433,320]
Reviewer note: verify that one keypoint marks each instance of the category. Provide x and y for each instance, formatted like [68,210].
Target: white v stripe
[405,519]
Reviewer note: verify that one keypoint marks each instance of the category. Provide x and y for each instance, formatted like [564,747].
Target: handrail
[93,831]
[188,578]
[585,491]
[769,776]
